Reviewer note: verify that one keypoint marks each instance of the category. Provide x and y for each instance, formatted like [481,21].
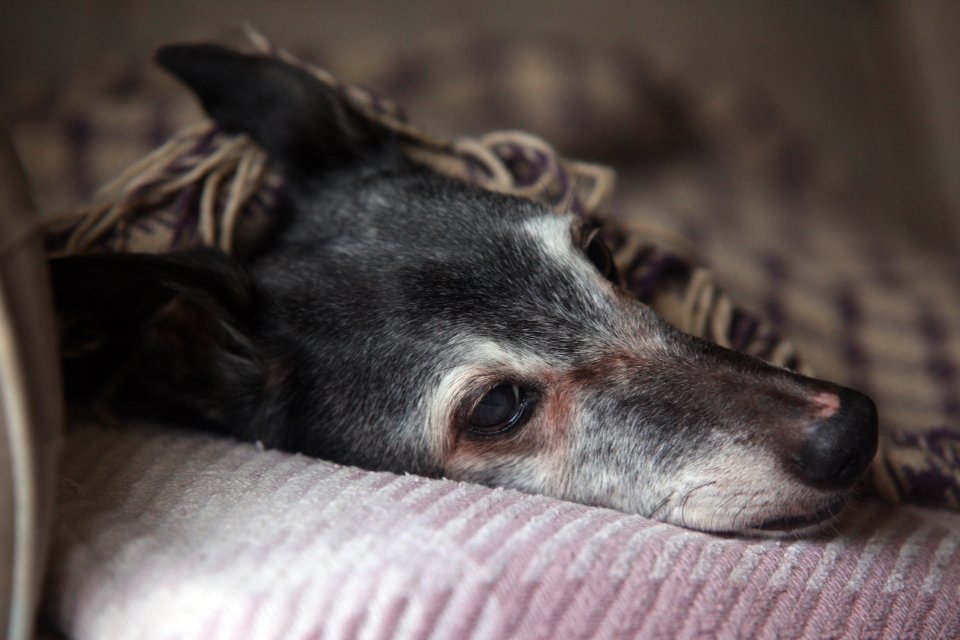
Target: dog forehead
[421,259]
[521,262]
[524,283]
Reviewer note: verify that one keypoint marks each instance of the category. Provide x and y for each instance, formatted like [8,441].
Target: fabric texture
[165,534]
[168,534]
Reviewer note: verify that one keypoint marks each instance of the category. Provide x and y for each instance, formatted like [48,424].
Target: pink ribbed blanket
[167,534]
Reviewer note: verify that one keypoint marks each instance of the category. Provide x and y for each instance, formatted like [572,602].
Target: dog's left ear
[300,121]
[179,329]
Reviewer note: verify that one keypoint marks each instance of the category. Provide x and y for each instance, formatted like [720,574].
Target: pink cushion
[168,534]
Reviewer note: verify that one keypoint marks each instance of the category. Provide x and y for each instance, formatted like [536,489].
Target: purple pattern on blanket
[939,365]
[185,223]
[932,481]
[856,358]
[653,270]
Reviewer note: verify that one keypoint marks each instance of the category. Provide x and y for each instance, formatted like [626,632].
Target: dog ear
[176,331]
[297,119]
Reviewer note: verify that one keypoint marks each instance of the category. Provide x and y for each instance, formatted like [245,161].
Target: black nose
[838,450]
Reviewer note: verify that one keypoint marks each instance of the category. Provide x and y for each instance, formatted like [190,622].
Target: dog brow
[554,235]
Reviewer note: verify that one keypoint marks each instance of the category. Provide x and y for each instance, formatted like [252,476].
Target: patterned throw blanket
[716,168]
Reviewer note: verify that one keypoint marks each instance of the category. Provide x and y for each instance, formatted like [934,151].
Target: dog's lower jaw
[822,516]
[726,496]
[800,525]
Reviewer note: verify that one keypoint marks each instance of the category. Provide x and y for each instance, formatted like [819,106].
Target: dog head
[404,321]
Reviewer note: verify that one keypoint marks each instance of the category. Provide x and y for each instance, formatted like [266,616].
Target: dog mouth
[794,523]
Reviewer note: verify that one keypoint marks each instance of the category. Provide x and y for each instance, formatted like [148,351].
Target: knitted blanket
[722,170]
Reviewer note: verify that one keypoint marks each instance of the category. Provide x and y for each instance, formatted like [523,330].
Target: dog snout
[839,445]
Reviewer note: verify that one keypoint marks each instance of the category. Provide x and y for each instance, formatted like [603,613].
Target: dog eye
[599,254]
[503,408]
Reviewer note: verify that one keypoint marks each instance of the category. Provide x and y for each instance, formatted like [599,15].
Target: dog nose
[838,448]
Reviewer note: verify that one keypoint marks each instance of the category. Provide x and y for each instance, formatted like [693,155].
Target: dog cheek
[602,472]
[624,457]
[496,467]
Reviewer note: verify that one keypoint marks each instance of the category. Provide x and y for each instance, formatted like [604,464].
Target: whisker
[663,503]
[736,516]
[686,497]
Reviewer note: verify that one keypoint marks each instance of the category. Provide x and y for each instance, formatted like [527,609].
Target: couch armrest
[31,405]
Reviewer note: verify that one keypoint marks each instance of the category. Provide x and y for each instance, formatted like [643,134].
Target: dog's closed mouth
[804,521]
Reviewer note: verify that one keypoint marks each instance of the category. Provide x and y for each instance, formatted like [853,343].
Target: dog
[399,320]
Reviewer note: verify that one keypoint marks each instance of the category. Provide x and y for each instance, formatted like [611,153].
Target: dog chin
[794,525]
[809,520]
[798,525]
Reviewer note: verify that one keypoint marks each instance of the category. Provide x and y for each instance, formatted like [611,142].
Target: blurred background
[874,84]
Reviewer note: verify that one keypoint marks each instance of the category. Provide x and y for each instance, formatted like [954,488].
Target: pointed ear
[177,330]
[298,120]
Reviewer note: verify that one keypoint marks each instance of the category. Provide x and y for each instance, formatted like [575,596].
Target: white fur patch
[552,234]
